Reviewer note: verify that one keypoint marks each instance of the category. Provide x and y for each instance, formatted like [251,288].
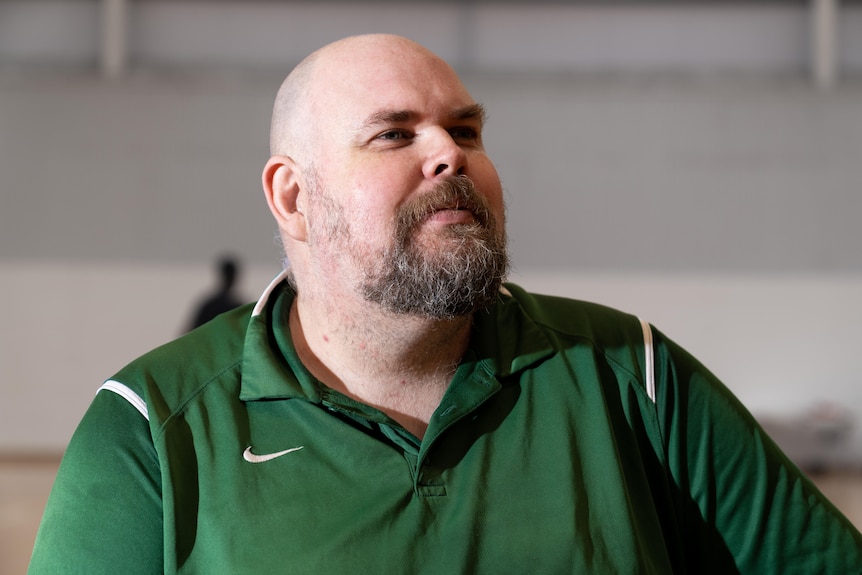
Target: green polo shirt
[570,440]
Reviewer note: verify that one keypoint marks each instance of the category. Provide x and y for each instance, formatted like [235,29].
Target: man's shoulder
[169,375]
[570,327]
[572,316]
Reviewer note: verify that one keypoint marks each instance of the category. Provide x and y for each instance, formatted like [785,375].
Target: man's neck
[399,364]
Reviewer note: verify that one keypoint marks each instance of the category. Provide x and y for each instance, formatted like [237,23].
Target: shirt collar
[504,337]
[507,336]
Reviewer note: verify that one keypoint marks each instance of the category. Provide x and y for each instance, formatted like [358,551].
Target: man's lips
[452,215]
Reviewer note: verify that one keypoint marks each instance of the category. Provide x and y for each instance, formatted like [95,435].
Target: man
[389,407]
[224,298]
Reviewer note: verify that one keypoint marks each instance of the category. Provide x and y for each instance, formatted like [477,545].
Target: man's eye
[394,135]
[464,133]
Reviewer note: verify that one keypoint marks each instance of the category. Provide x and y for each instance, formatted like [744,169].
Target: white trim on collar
[264,298]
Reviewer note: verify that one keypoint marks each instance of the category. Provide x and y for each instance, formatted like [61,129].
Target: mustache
[456,193]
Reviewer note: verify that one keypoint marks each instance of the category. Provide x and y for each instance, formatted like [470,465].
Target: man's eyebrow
[471,112]
[386,117]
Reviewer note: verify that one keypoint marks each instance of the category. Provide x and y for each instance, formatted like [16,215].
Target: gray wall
[673,173]
[636,135]
[672,159]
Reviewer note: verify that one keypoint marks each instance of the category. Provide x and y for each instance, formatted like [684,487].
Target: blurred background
[698,164]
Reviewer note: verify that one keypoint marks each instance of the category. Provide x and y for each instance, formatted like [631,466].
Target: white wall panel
[782,343]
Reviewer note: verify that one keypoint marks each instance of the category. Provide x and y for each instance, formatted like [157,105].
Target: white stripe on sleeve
[649,366]
[127,394]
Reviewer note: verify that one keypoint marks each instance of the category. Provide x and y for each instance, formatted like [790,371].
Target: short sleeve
[104,513]
[740,500]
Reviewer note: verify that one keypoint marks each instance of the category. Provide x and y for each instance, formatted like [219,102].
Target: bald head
[363,131]
[304,92]
[289,113]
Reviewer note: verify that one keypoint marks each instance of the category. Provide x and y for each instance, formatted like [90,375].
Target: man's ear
[282,183]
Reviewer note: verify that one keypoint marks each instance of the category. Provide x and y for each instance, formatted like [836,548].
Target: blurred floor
[24,487]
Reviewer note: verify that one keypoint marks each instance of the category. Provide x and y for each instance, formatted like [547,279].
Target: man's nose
[445,157]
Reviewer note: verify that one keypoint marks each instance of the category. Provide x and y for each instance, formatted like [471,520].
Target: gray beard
[447,283]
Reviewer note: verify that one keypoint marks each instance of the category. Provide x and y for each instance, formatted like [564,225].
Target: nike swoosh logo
[254,458]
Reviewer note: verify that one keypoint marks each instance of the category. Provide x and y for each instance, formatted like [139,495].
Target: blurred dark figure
[225,298]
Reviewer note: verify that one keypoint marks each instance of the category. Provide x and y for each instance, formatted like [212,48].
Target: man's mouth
[451,203]
[452,215]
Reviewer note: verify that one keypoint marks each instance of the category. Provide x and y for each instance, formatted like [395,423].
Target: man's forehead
[386,80]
